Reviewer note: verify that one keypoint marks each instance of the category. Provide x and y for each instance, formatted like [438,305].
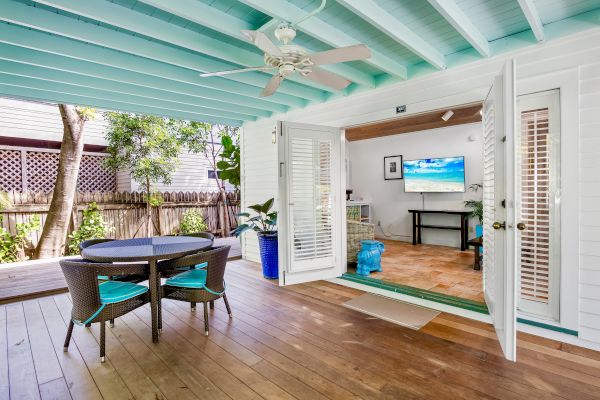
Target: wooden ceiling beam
[414,123]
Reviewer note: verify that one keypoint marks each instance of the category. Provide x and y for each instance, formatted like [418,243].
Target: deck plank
[55,390]
[77,376]
[107,379]
[47,367]
[293,342]
[4,380]
[21,370]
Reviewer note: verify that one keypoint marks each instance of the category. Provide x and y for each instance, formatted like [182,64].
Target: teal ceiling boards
[145,56]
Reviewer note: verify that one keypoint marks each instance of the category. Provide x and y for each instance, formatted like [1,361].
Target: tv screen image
[435,175]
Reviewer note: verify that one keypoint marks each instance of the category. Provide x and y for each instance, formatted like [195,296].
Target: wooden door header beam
[414,123]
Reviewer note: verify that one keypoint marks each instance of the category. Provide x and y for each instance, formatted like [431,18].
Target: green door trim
[419,293]
[444,299]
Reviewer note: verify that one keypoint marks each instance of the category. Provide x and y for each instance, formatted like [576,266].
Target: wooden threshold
[414,123]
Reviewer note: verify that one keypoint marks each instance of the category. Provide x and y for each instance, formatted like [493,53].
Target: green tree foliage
[211,140]
[92,227]
[147,146]
[12,246]
[229,164]
[192,222]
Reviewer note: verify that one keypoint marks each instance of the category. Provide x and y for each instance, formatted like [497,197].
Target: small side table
[477,243]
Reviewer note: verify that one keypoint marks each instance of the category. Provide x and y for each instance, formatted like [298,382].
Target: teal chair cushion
[115,291]
[192,279]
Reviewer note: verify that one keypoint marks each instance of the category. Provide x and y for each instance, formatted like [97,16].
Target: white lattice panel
[94,177]
[42,169]
[10,170]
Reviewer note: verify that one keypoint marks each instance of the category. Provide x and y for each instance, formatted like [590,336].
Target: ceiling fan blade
[349,53]
[262,41]
[272,85]
[235,71]
[327,78]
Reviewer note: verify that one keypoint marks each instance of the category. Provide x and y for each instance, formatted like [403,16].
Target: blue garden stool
[369,257]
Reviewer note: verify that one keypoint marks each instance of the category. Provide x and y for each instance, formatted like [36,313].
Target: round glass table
[150,250]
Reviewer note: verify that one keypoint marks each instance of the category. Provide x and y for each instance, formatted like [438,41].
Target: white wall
[390,204]
[578,53]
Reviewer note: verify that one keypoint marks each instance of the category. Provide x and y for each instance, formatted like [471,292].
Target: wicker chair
[197,285]
[166,273]
[100,302]
[357,232]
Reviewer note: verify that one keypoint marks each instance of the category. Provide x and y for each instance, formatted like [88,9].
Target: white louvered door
[538,161]
[499,266]
[310,203]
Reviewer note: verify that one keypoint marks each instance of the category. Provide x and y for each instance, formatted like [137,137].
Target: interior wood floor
[297,342]
[440,269]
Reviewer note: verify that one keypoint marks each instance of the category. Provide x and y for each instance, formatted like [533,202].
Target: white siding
[259,174]
[191,175]
[589,164]
[467,84]
[42,121]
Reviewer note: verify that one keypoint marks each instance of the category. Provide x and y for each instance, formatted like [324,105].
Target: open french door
[310,203]
[499,208]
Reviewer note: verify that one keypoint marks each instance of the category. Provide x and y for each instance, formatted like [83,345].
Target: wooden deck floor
[283,343]
[35,280]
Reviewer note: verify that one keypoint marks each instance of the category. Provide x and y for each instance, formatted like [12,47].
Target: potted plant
[477,206]
[264,223]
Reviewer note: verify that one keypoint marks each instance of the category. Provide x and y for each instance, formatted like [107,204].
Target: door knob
[521,226]
[498,225]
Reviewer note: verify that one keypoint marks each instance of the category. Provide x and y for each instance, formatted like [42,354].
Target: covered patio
[351,63]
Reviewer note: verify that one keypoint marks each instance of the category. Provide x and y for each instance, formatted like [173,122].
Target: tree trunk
[54,235]
[149,231]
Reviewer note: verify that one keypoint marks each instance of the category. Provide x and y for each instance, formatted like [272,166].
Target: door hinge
[503,203]
[503,139]
[281,169]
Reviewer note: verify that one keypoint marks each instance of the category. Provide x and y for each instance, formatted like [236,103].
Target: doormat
[393,311]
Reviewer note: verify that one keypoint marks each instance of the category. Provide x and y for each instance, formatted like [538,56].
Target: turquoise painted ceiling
[145,56]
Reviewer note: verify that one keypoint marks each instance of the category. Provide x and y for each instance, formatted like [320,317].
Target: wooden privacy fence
[125,212]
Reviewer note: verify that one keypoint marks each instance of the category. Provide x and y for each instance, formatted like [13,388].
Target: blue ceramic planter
[269,255]
[369,257]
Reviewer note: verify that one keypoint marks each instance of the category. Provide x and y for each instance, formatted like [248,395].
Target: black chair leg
[227,305]
[68,338]
[205,318]
[88,325]
[102,340]
[212,305]
[112,323]
[159,314]
[193,305]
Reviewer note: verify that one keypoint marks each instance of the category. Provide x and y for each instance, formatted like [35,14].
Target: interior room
[430,162]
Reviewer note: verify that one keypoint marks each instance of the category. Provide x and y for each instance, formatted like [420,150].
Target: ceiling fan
[288,58]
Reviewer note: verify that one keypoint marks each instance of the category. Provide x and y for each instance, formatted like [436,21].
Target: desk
[463,228]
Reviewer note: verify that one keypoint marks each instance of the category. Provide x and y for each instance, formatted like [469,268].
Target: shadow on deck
[45,278]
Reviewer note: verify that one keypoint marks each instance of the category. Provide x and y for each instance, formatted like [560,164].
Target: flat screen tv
[434,175]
